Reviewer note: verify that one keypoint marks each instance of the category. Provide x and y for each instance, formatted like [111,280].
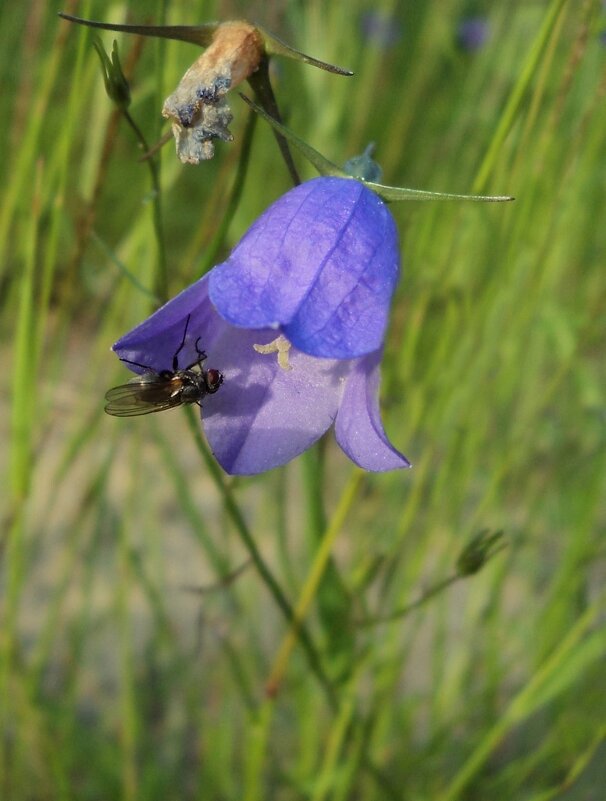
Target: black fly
[154,391]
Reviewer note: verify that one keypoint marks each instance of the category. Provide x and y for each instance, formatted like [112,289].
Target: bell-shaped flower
[275,400]
[292,322]
[319,266]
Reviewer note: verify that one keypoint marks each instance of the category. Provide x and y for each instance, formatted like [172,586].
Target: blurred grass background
[131,666]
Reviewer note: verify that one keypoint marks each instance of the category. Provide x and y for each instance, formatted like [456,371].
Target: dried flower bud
[236,51]
[198,108]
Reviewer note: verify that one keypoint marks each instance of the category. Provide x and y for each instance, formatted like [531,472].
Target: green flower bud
[478,551]
[116,84]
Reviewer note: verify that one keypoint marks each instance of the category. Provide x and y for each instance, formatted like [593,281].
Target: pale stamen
[281,346]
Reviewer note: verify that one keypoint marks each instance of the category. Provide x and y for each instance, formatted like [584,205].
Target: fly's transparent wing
[143,397]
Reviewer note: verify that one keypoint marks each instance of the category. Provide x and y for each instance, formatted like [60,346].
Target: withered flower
[197,109]
[235,51]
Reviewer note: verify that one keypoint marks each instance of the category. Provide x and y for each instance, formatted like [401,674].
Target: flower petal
[321,264]
[263,416]
[358,426]
[155,341]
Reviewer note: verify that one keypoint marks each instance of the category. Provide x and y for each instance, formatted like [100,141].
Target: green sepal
[404,193]
[390,193]
[322,164]
[195,34]
[276,47]
[202,35]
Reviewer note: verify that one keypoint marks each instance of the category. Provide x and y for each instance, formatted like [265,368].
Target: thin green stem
[260,84]
[526,75]
[405,610]
[218,241]
[333,601]
[265,573]
[112,256]
[312,583]
[127,698]
[161,283]
[312,463]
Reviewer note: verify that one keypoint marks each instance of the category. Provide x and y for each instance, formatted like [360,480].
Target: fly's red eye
[214,379]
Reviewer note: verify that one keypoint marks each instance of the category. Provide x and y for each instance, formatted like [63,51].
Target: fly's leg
[137,364]
[201,356]
[180,348]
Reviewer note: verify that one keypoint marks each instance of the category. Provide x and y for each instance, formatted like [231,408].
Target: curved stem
[236,193]
[256,558]
[261,86]
[310,588]
[161,282]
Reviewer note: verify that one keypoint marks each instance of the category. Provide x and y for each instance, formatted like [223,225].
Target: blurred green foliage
[133,664]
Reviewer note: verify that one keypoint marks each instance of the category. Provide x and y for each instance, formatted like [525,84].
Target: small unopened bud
[478,551]
[197,108]
[116,84]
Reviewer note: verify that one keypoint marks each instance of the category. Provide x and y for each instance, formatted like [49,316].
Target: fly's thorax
[192,385]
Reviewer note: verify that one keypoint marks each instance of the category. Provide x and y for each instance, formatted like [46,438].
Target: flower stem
[218,240]
[333,599]
[161,282]
[476,553]
[265,573]
[260,84]
[310,588]
[405,610]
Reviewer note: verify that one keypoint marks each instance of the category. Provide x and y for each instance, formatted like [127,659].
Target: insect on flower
[154,391]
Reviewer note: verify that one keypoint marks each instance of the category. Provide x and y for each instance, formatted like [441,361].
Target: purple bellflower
[294,320]
[269,409]
[319,266]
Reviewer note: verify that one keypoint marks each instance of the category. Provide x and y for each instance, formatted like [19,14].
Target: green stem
[161,283]
[218,240]
[333,601]
[399,613]
[526,75]
[312,463]
[312,583]
[265,573]
[260,84]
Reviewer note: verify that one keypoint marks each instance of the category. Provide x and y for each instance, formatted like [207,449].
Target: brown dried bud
[198,108]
